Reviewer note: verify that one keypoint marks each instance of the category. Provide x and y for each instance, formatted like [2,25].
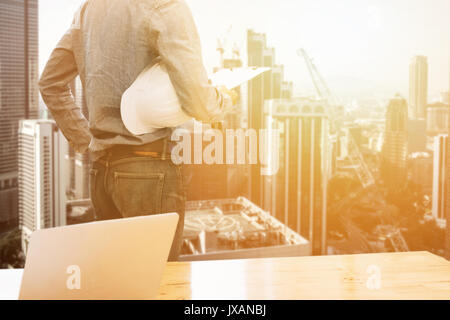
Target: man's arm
[180,50]
[60,70]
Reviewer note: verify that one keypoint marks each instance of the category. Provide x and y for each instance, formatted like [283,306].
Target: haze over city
[360,47]
[314,163]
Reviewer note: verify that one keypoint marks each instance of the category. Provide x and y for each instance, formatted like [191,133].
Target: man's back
[108,45]
[111,48]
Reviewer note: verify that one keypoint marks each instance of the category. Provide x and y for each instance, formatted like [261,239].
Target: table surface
[410,275]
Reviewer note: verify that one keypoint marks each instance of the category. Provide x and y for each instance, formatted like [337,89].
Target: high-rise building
[268,80]
[420,170]
[417,135]
[439,177]
[445,97]
[256,45]
[267,86]
[220,181]
[277,76]
[447,232]
[299,189]
[395,143]
[42,167]
[18,90]
[418,87]
[287,90]
[211,227]
[376,142]
[438,118]
[236,119]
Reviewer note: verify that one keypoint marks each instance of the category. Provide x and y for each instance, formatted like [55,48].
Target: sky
[359,46]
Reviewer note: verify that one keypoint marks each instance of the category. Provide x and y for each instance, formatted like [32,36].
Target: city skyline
[318,170]
[265,50]
[365,46]
[18,90]
[347,148]
[418,87]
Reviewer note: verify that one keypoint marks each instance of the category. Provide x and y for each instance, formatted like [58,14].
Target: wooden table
[411,275]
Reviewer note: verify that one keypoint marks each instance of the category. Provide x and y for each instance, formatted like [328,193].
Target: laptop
[109,260]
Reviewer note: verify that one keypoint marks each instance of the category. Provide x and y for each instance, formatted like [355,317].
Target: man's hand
[228,101]
[230,93]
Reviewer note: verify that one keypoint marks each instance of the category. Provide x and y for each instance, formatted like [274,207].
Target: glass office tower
[18,91]
[299,187]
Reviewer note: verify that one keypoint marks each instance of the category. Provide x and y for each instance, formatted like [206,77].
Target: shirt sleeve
[54,86]
[179,47]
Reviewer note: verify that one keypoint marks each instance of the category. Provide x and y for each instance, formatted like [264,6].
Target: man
[108,45]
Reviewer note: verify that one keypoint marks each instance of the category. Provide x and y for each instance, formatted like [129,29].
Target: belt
[159,149]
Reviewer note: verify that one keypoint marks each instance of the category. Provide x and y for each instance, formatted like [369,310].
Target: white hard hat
[151,103]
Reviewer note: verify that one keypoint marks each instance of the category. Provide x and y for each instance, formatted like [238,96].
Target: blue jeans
[137,186]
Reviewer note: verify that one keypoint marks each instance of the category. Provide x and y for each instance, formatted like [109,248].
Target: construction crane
[395,237]
[361,169]
[236,51]
[323,92]
[222,43]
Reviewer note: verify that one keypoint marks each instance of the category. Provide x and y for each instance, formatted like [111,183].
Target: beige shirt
[108,45]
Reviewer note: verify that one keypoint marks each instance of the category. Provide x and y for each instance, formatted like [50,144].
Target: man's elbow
[44,88]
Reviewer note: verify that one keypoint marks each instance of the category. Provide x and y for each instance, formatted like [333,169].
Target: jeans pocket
[137,194]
